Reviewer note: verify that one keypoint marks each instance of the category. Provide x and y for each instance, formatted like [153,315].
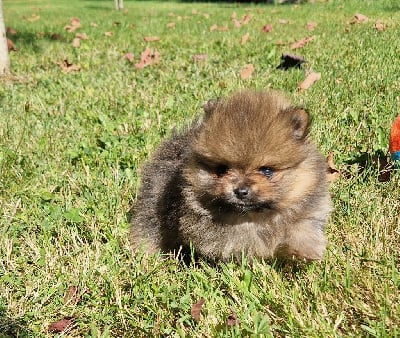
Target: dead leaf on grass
[67,67]
[170,24]
[215,27]
[359,18]
[267,28]
[61,325]
[232,319]
[283,21]
[33,18]
[196,309]
[93,24]
[10,46]
[55,36]
[108,33]
[247,72]
[72,296]
[332,174]
[151,38]
[82,36]
[311,25]
[11,31]
[246,19]
[380,26]
[309,81]
[245,38]
[301,43]
[129,56]
[200,57]
[147,58]
[75,24]
[76,42]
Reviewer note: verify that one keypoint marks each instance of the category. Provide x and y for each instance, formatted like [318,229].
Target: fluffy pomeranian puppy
[246,179]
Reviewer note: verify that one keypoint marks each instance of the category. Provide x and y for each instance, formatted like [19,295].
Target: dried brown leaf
[129,56]
[247,72]
[196,309]
[170,24]
[151,38]
[147,58]
[11,31]
[200,57]
[76,42]
[332,174]
[309,81]
[233,16]
[93,24]
[311,25]
[10,46]
[380,26]
[360,18]
[301,43]
[246,19]
[245,38]
[283,21]
[82,36]
[72,296]
[267,28]
[33,18]
[55,36]
[67,67]
[232,319]
[61,325]
[108,33]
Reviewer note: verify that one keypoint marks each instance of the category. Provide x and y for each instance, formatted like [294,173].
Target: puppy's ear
[210,106]
[300,121]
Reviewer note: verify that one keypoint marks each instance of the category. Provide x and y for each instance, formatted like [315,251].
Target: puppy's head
[249,154]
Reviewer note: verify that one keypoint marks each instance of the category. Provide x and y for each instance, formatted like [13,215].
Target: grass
[71,144]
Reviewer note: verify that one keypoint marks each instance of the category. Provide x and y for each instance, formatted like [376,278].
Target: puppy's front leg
[304,241]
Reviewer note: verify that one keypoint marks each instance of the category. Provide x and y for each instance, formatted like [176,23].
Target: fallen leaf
[67,67]
[75,24]
[72,296]
[93,24]
[233,16]
[151,38]
[116,23]
[62,325]
[267,28]
[311,25]
[360,18]
[332,174]
[76,42]
[10,46]
[108,33]
[206,15]
[246,19]
[129,56]
[82,36]
[290,61]
[147,58]
[11,31]
[245,38]
[283,21]
[309,81]
[56,36]
[200,57]
[301,43]
[247,72]
[380,26]
[232,319]
[170,24]
[218,28]
[196,309]
[33,18]
[237,23]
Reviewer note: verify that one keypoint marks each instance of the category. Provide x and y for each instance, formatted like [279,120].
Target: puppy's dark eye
[267,171]
[221,170]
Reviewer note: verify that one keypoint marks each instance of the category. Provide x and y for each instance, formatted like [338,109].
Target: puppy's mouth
[241,206]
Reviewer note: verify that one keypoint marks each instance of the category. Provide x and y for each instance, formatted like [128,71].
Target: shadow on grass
[13,328]
[30,40]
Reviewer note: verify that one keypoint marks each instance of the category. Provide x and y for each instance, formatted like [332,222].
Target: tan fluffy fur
[255,143]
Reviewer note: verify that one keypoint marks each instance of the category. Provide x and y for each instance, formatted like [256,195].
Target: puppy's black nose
[242,192]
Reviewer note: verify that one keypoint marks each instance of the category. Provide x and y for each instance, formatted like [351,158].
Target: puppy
[245,180]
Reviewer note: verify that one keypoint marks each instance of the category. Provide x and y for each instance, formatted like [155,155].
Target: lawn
[78,121]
